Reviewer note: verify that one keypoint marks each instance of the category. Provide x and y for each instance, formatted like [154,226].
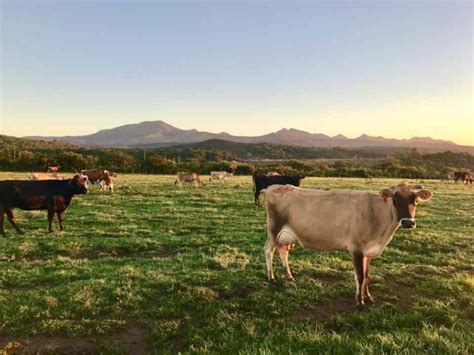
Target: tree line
[32,155]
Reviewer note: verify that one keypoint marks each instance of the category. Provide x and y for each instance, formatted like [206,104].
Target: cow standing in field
[358,222]
[190,178]
[52,195]
[220,175]
[95,176]
[273,173]
[261,182]
[463,176]
[107,184]
[44,176]
[53,168]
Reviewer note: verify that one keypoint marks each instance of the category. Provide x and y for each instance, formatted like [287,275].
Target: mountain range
[153,134]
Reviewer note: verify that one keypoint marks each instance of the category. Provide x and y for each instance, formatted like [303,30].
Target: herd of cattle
[363,225]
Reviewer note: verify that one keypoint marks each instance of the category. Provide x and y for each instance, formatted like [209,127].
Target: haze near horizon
[392,69]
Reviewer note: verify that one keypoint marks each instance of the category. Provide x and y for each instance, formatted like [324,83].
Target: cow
[107,184]
[273,173]
[220,175]
[361,223]
[463,176]
[261,182]
[52,195]
[44,176]
[95,176]
[191,178]
[53,168]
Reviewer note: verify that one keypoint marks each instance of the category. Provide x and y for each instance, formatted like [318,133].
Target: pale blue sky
[397,69]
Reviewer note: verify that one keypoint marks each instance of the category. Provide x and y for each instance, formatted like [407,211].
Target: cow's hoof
[272,280]
[369,300]
[291,279]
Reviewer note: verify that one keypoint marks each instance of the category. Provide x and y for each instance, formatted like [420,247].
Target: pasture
[156,269]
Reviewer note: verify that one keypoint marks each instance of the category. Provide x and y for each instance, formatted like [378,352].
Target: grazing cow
[463,176]
[191,178]
[95,176]
[220,175]
[53,168]
[44,176]
[107,184]
[52,195]
[358,222]
[273,173]
[261,182]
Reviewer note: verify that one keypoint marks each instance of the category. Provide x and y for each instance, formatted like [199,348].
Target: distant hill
[154,134]
[271,151]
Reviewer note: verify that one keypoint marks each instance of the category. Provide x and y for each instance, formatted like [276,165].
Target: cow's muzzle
[408,223]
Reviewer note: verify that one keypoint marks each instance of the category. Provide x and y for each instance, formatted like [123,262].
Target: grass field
[152,268]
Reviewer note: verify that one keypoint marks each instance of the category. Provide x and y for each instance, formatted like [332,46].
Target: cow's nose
[408,223]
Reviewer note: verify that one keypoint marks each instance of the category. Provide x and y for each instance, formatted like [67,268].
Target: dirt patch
[48,345]
[168,254]
[401,295]
[241,292]
[131,340]
[327,279]
[344,305]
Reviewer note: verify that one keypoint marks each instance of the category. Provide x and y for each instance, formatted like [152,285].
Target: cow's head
[298,179]
[78,185]
[405,198]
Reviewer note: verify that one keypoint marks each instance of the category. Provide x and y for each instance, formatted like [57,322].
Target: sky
[396,69]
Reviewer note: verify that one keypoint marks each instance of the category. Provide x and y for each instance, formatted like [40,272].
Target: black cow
[463,176]
[52,195]
[261,182]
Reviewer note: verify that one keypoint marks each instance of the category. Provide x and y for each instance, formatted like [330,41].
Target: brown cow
[107,184]
[52,195]
[95,176]
[53,168]
[358,222]
[191,178]
[44,176]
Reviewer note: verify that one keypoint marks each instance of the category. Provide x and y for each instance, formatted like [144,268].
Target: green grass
[152,268]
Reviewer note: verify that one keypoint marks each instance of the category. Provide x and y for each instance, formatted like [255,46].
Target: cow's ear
[424,195]
[385,194]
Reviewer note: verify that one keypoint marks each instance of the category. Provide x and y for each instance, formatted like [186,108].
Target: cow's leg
[365,291]
[257,194]
[2,218]
[358,261]
[11,219]
[269,249]
[284,251]
[61,219]
[50,217]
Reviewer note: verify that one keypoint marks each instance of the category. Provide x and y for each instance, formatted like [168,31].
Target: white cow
[220,175]
[186,177]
